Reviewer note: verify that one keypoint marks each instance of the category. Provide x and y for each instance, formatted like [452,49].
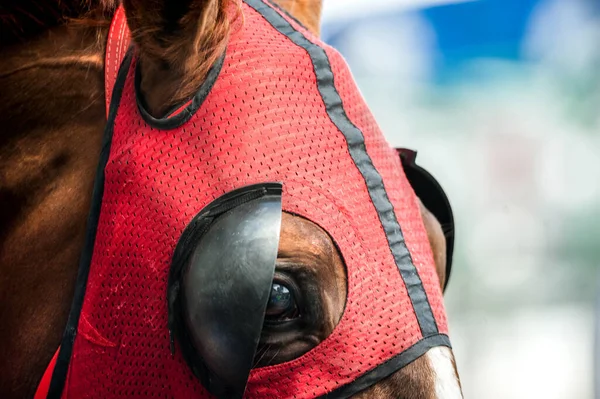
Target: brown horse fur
[50,140]
[306,11]
[23,19]
[52,118]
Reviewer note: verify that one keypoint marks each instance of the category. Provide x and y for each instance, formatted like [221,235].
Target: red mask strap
[44,386]
[117,44]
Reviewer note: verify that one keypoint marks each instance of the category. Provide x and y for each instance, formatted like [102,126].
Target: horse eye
[282,304]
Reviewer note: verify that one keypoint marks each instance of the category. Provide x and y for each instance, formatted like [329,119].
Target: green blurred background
[501,98]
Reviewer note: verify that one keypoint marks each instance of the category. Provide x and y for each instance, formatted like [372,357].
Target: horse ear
[178,42]
[306,11]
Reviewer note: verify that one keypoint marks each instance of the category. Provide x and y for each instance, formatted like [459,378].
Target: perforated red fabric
[263,120]
[397,186]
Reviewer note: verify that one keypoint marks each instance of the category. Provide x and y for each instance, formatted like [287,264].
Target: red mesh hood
[280,106]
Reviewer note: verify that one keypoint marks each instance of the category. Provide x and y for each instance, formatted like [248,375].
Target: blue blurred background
[502,100]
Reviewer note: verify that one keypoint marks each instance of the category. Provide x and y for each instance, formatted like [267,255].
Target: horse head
[53,111]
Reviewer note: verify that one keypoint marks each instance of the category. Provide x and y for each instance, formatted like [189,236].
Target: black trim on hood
[388,368]
[173,120]
[61,369]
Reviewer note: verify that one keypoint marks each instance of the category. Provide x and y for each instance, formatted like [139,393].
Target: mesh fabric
[263,120]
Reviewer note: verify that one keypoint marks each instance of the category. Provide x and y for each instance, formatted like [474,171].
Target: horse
[53,115]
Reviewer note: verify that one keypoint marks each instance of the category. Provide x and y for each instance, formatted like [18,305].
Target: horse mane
[21,19]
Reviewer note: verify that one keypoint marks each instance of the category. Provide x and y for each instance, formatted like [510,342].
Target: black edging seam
[61,368]
[173,121]
[389,367]
[362,160]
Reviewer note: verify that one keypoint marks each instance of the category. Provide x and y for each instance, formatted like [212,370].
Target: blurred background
[502,100]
